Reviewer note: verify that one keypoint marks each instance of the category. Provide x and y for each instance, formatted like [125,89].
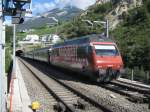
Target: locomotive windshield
[106,50]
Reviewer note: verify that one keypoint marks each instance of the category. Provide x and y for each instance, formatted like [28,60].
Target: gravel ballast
[36,91]
[111,100]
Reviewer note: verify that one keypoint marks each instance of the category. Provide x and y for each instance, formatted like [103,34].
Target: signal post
[2,61]
[13,11]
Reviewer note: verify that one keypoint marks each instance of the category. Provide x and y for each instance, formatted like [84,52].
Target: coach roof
[83,40]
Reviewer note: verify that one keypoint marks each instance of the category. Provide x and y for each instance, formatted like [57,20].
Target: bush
[138,74]
[8,59]
[103,8]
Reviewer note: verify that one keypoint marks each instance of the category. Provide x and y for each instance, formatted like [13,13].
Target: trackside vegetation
[8,52]
[132,34]
[133,37]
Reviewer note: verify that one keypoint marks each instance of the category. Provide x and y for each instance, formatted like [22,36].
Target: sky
[39,6]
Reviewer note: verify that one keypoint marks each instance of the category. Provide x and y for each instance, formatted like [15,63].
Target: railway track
[36,91]
[130,86]
[134,94]
[69,99]
[106,98]
[132,83]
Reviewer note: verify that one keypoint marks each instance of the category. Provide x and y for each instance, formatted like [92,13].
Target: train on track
[92,55]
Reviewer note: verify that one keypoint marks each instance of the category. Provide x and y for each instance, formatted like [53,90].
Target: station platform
[4,93]
[19,99]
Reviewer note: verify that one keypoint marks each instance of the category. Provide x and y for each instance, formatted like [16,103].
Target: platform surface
[20,99]
[4,93]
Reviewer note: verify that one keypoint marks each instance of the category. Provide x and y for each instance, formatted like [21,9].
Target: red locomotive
[91,55]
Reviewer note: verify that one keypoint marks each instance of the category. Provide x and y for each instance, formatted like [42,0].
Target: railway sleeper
[80,104]
[138,99]
[147,100]
[131,87]
[63,107]
[60,107]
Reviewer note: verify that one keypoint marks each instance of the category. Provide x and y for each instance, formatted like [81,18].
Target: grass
[8,58]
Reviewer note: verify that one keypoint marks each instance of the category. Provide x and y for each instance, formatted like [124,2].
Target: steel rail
[86,98]
[133,84]
[139,98]
[69,109]
[131,87]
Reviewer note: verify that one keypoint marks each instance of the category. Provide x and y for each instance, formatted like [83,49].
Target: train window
[57,52]
[90,49]
[81,51]
[50,52]
[76,47]
[54,52]
[106,50]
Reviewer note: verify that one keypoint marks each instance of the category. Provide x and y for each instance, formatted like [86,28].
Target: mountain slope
[132,33]
[133,37]
[42,20]
[111,9]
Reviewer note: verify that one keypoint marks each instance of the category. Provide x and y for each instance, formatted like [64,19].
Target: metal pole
[89,22]
[107,28]
[56,29]
[132,75]
[147,76]
[92,26]
[14,49]
[4,81]
[1,50]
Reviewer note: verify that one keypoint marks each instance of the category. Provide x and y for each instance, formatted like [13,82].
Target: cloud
[62,3]
[82,4]
[42,7]
[7,22]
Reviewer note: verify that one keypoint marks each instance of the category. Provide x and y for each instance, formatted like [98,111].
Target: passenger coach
[92,55]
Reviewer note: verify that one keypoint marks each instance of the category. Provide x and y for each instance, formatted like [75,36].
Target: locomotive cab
[107,61]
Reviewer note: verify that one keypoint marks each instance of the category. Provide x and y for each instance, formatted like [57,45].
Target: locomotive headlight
[118,66]
[100,66]
[122,71]
[99,61]
[91,44]
[102,71]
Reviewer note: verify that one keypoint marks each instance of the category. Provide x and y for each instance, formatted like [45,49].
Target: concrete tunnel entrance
[19,52]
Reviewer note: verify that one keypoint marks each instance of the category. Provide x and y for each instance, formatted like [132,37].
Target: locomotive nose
[105,66]
[109,63]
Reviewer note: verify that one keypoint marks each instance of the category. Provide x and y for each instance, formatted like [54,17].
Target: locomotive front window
[106,50]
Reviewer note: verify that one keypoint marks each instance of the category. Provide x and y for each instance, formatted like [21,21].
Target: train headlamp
[102,71]
[122,71]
